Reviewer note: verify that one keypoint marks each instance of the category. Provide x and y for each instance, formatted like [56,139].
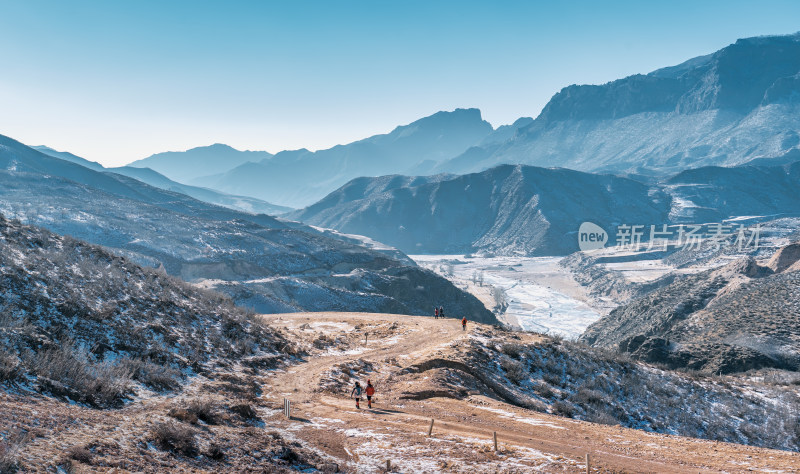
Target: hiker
[435,312]
[370,392]
[464,323]
[356,393]
[441,311]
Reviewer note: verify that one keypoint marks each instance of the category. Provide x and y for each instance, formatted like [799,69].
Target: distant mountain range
[727,108]
[153,178]
[738,105]
[184,166]
[261,262]
[300,177]
[537,211]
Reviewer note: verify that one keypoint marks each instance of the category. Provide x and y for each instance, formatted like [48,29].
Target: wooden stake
[430,428]
[287,408]
[388,466]
[495,441]
[588,464]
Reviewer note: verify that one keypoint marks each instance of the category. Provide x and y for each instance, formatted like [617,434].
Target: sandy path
[396,428]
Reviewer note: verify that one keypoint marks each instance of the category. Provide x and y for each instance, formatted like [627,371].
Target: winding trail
[411,390]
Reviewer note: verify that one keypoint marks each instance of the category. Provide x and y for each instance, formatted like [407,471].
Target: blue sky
[115,81]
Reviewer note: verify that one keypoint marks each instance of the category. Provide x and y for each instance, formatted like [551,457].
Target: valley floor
[539,294]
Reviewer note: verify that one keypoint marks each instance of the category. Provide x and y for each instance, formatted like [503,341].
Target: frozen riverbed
[541,296]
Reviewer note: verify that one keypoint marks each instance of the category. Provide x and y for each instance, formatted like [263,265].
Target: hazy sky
[114,81]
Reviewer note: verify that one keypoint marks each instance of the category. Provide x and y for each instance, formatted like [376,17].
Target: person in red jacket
[464,323]
[370,392]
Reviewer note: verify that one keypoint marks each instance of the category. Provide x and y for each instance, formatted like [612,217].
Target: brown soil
[414,364]
[407,402]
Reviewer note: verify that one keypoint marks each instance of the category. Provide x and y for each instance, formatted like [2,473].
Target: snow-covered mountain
[300,177]
[727,108]
[260,261]
[184,166]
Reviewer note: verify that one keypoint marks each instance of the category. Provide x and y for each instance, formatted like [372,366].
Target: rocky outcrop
[735,318]
[727,108]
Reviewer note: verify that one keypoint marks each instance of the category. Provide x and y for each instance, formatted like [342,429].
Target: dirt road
[407,359]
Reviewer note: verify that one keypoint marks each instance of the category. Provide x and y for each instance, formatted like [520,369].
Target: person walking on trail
[370,392]
[435,312]
[356,393]
[464,323]
[441,311]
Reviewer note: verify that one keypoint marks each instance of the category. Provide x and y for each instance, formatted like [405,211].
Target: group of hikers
[369,391]
[356,393]
[439,313]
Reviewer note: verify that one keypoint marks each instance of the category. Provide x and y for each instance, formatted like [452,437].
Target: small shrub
[215,452]
[9,367]
[586,396]
[603,418]
[512,350]
[204,409]
[8,458]
[544,391]
[183,415]
[9,451]
[563,409]
[515,371]
[175,437]
[157,377]
[552,379]
[322,342]
[245,410]
[80,454]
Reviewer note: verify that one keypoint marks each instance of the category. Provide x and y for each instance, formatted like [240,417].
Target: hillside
[731,319]
[515,210]
[534,392]
[507,209]
[118,359]
[300,177]
[84,324]
[727,108]
[261,262]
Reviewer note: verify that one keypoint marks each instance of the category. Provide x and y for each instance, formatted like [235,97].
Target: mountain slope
[266,263]
[83,323]
[538,211]
[507,209]
[184,166]
[739,317]
[92,165]
[300,177]
[241,203]
[735,105]
[153,178]
[711,194]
